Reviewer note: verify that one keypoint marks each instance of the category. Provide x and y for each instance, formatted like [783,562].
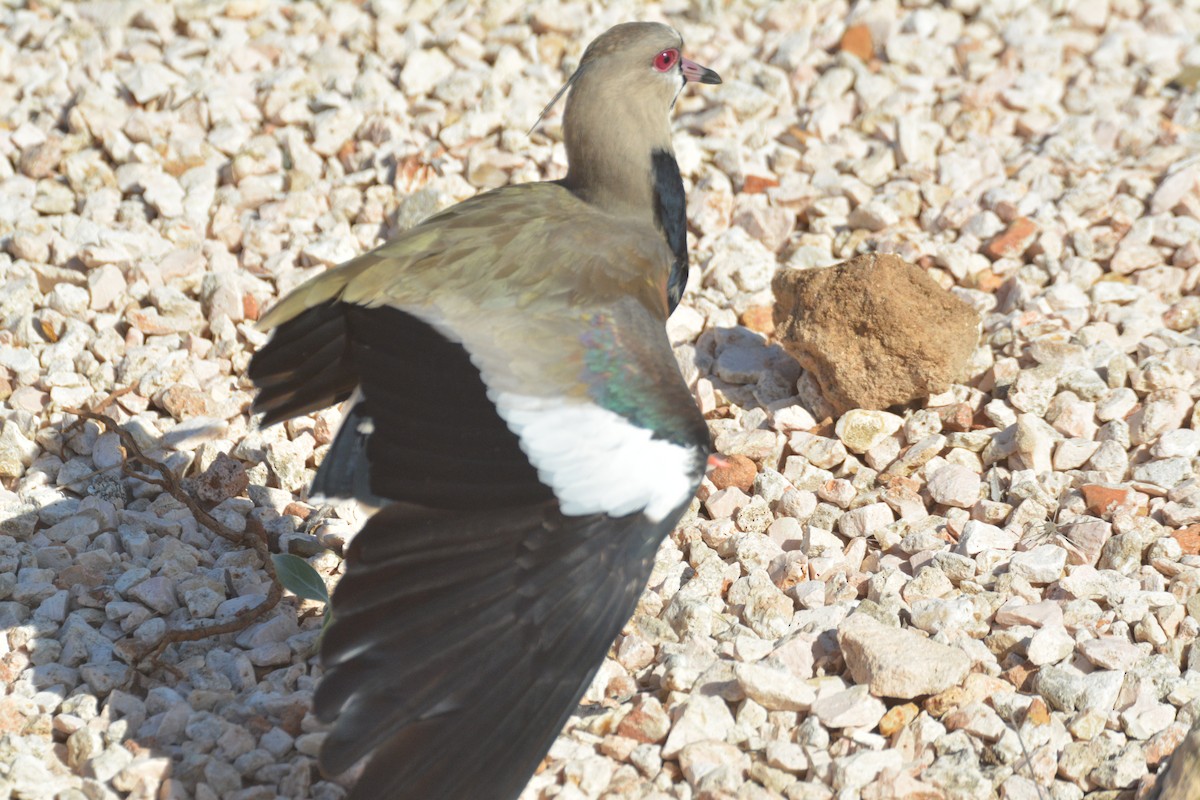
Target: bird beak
[694,72]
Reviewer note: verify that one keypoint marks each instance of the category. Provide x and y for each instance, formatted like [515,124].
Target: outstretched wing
[533,449]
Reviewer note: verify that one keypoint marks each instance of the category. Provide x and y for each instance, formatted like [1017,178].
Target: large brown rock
[875,331]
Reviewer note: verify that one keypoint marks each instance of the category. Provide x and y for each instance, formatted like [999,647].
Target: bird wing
[514,246]
[461,645]
[521,409]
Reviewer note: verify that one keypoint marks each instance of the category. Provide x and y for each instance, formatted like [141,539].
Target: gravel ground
[1022,551]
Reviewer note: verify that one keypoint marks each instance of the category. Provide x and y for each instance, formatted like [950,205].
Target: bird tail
[463,641]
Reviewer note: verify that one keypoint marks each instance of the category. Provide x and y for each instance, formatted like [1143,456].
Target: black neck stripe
[671,215]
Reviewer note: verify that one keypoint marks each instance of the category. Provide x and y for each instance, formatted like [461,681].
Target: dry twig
[171,485]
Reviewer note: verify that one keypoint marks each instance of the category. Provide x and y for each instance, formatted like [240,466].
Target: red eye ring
[666,59]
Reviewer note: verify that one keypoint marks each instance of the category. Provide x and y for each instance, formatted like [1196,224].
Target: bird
[516,420]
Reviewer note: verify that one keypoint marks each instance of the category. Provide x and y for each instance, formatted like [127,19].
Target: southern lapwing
[516,413]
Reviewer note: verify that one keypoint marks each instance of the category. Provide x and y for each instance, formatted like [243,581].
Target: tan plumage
[538,239]
[608,102]
[449,269]
[480,237]
[519,415]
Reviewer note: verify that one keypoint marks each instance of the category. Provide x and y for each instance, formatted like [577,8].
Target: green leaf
[299,578]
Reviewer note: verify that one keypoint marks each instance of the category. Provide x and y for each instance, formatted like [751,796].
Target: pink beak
[694,72]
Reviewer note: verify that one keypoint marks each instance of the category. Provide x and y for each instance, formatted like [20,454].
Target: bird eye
[666,59]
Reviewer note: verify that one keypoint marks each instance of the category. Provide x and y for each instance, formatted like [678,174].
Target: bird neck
[611,140]
[614,176]
[620,159]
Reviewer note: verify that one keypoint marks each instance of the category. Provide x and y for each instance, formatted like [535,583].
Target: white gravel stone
[1111,652]
[163,193]
[1163,410]
[717,764]
[980,721]
[860,429]
[424,69]
[156,593]
[1182,442]
[726,502]
[851,708]
[954,485]
[1165,473]
[1145,718]
[856,771]
[980,536]
[1050,645]
[1073,453]
[149,81]
[787,756]
[774,689]
[1043,564]
[865,520]
[1035,160]
[894,662]
[703,718]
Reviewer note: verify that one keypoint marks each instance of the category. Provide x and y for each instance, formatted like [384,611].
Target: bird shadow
[750,378]
[101,571]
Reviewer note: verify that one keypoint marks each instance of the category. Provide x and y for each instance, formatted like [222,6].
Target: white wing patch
[595,460]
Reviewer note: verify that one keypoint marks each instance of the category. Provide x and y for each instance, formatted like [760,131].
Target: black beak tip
[698,73]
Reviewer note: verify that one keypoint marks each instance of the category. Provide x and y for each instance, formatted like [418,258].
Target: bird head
[646,60]
[621,96]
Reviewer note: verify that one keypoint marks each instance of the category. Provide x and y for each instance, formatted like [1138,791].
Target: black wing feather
[487,659]
[473,613]
[429,419]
